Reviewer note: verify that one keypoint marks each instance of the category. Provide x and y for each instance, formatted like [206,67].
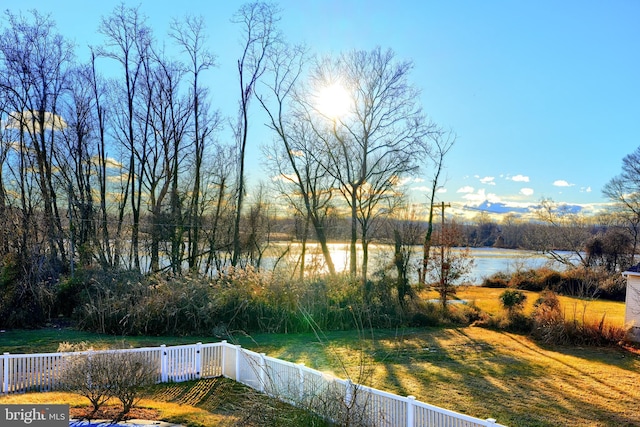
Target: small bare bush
[99,376]
[129,373]
[87,374]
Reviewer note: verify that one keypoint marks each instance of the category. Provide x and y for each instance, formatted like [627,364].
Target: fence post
[238,354]
[198,361]
[301,373]
[263,372]
[5,373]
[164,364]
[223,350]
[490,422]
[348,397]
[410,411]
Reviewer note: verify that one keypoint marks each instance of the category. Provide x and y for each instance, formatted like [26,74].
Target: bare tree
[128,42]
[34,77]
[407,232]
[99,92]
[449,265]
[259,34]
[442,143]
[191,37]
[303,181]
[5,204]
[168,118]
[375,142]
[258,225]
[564,229]
[217,193]
[624,191]
[76,164]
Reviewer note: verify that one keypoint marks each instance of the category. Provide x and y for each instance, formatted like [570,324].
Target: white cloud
[520,178]
[585,190]
[562,183]
[466,189]
[488,180]
[526,191]
[441,190]
[481,196]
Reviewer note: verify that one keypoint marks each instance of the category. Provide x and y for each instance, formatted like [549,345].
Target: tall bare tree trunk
[258,20]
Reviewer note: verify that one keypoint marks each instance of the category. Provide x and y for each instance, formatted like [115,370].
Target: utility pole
[442,206]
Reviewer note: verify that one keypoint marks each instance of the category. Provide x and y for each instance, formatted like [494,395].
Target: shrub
[129,373]
[27,290]
[99,376]
[550,326]
[9,269]
[173,305]
[518,322]
[550,279]
[513,301]
[422,313]
[68,294]
[528,280]
[107,301]
[496,280]
[86,373]
[614,288]
[463,314]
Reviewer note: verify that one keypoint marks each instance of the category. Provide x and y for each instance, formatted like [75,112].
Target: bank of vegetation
[125,210]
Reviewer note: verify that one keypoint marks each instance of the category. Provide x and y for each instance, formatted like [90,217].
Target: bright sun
[333,101]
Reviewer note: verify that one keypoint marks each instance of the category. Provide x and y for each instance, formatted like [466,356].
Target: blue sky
[543,95]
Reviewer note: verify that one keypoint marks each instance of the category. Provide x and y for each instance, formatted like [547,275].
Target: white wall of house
[632,305]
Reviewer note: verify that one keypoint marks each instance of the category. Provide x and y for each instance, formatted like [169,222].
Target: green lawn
[480,372]
[473,370]
[47,340]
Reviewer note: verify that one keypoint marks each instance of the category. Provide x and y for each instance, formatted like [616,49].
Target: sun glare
[333,101]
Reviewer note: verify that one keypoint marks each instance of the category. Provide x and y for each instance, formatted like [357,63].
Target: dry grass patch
[591,310]
[147,408]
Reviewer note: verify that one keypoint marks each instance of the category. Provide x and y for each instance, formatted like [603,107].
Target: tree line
[130,171]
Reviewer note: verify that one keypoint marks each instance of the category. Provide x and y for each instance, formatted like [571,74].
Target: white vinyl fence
[290,382]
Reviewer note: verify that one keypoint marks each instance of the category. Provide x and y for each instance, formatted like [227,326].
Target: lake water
[487,261]
[492,260]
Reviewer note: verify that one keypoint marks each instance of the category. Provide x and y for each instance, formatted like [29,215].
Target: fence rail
[290,382]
